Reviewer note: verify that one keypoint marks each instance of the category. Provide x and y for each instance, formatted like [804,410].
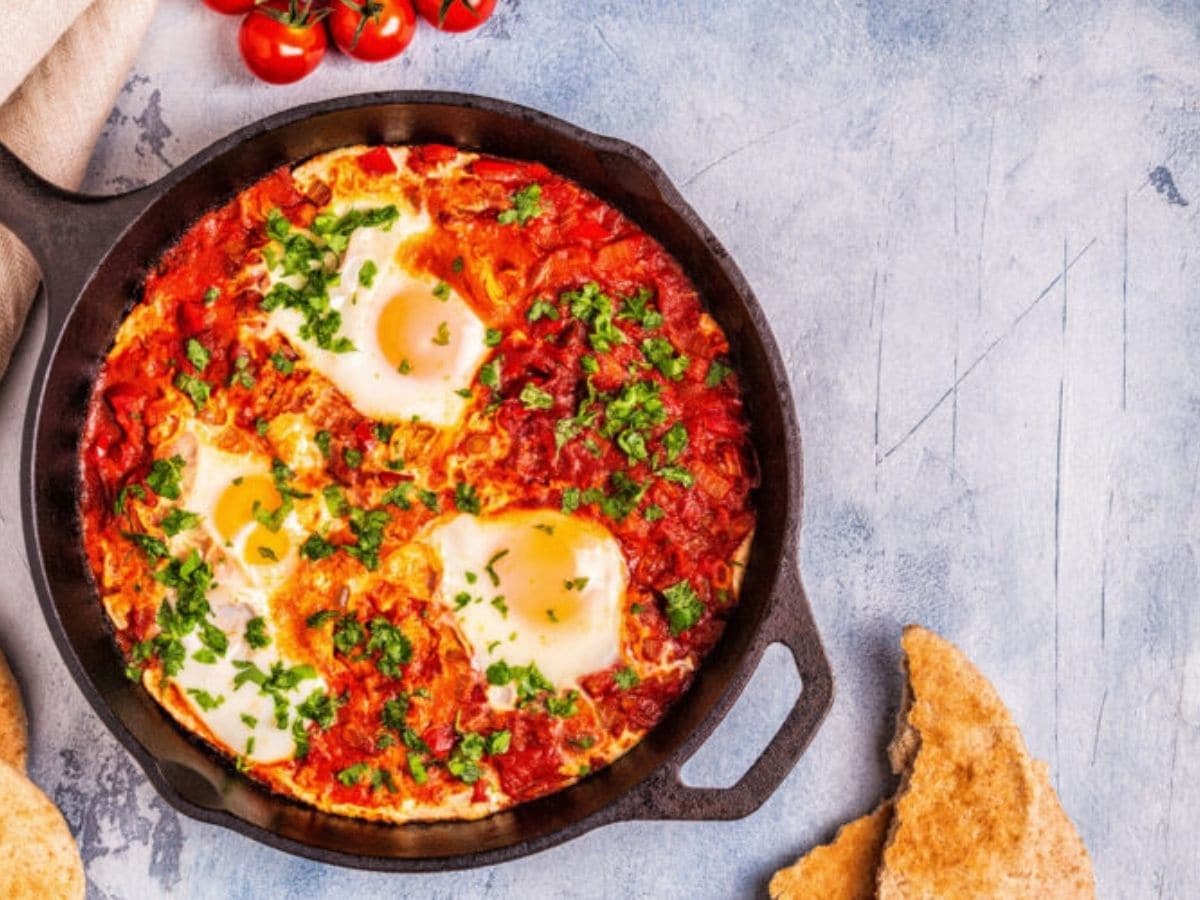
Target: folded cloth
[59,77]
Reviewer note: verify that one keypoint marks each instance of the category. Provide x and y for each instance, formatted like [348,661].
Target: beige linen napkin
[59,77]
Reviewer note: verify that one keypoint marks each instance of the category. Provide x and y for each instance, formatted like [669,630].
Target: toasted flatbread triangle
[14,731]
[974,816]
[38,857]
[843,869]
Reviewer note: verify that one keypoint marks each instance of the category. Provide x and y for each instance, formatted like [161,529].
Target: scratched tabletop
[973,233]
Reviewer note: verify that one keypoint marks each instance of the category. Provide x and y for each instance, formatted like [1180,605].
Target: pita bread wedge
[843,869]
[14,731]
[38,856]
[974,816]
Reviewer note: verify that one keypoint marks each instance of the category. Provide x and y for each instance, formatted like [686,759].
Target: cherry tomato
[230,7]
[372,30]
[281,42]
[456,15]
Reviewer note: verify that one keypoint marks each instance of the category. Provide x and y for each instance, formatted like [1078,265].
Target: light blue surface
[992,323]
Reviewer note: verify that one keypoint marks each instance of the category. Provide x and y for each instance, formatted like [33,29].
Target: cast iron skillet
[94,252]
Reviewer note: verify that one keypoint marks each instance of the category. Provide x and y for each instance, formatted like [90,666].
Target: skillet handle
[790,622]
[67,233]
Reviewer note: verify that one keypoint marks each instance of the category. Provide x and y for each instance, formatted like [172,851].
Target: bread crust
[14,726]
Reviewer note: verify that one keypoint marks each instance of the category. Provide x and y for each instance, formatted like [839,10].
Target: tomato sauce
[690,527]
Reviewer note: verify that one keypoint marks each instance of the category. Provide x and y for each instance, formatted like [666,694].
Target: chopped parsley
[283,364]
[316,547]
[416,768]
[533,397]
[177,520]
[570,500]
[430,499]
[626,678]
[393,648]
[352,775]
[314,258]
[456,265]
[367,526]
[441,291]
[531,685]
[135,490]
[464,760]
[717,373]
[675,441]
[323,439]
[542,309]
[660,352]
[653,512]
[442,338]
[367,272]
[490,568]
[241,372]
[335,500]
[498,742]
[526,205]
[684,607]
[676,474]
[624,498]
[395,712]
[348,633]
[320,708]
[205,700]
[320,617]
[256,633]
[593,306]
[564,706]
[197,389]
[493,337]
[352,458]
[466,499]
[153,547]
[197,354]
[190,578]
[164,477]
[637,309]
[398,495]
[489,374]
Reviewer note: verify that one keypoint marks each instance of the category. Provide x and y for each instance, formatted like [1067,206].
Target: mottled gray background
[972,228]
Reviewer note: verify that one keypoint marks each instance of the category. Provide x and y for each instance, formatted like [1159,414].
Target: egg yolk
[416,332]
[540,573]
[234,510]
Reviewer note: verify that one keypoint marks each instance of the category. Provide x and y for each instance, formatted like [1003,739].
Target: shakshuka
[417,482]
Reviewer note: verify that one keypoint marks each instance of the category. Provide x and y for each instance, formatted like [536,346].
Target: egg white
[531,624]
[209,474]
[240,592]
[420,382]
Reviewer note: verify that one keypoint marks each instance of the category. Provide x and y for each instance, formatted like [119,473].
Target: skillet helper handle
[67,233]
[789,622]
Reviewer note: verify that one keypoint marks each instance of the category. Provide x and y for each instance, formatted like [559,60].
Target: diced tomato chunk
[440,739]
[588,231]
[377,161]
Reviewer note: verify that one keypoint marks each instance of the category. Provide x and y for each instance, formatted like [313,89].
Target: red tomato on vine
[281,41]
[456,15]
[372,30]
